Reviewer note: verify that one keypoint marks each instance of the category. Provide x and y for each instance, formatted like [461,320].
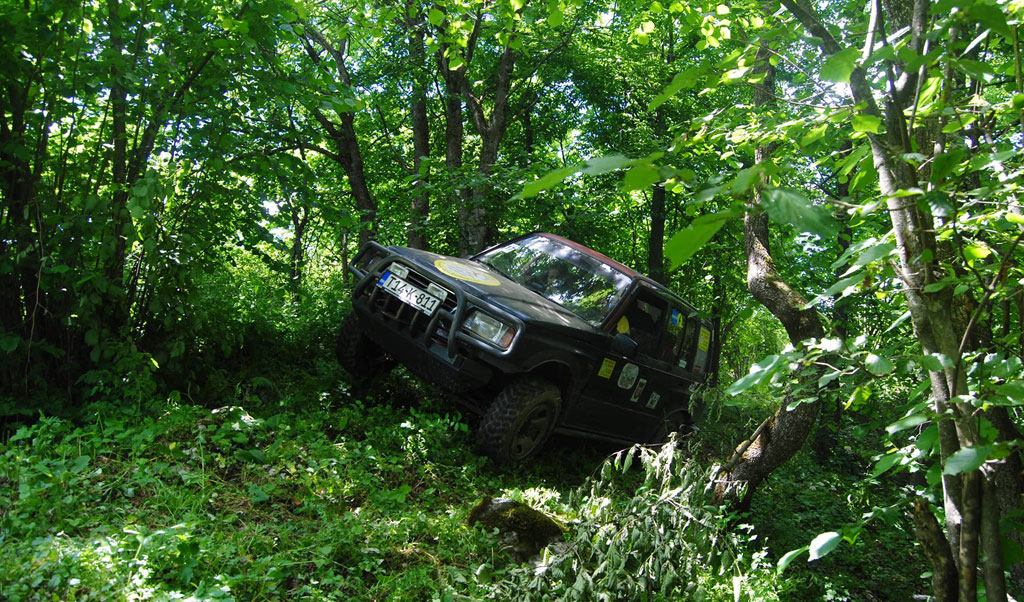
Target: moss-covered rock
[528,530]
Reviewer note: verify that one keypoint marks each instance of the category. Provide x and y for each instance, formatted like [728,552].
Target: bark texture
[420,209]
[932,313]
[785,432]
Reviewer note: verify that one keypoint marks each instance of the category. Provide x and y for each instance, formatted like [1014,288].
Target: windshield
[581,283]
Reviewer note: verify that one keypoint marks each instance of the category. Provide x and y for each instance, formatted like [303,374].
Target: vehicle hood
[480,280]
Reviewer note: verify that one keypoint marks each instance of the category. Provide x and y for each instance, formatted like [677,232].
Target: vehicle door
[614,400]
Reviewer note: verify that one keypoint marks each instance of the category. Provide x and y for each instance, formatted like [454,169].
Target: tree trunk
[343,135]
[826,437]
[476,228]
[420,209]
[930,311]
[784,433]
[936,550]
[656,242]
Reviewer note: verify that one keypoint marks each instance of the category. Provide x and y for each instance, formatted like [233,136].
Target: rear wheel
[678,423]
[520,419]
[357,354]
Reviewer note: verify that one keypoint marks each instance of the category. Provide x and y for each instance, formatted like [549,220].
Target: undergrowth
[307,493]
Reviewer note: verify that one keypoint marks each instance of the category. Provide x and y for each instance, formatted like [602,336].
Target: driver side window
[643,320]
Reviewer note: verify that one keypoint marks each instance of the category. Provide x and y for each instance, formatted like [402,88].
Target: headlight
[490,329]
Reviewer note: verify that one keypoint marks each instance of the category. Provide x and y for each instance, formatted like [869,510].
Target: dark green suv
[538,334]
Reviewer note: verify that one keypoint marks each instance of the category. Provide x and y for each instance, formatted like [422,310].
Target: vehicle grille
[408,318]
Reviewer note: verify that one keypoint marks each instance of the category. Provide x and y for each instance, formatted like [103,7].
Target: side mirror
[624,345]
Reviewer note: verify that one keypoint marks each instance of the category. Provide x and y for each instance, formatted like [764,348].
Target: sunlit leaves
[790,206]
[866,123]
[967,459]
[907,422]
[688,241]
[990,16]
[878,365]
[683,79]
[760,373]
[838,67]
[823,544]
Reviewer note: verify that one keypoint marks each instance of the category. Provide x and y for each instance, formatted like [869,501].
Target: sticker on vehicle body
[639,390]
[607,367]
[628,376]
[705,339]
[653,401]
[465,271]
[675,323]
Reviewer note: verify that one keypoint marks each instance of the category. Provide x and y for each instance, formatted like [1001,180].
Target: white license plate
[423,301]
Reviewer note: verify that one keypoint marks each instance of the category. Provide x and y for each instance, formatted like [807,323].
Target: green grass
[316,495]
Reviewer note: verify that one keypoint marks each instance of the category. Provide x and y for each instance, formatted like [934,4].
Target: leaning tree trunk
[779,437]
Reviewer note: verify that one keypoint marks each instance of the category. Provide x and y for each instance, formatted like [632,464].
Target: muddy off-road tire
[357,354]
[678,423]
[519,420]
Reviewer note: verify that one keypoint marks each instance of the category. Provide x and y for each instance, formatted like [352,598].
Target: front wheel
[357,354]
[520,419]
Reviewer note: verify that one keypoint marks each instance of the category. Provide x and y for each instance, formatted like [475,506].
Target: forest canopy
[837,184]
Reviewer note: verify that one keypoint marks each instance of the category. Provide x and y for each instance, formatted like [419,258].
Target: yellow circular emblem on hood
[464,271]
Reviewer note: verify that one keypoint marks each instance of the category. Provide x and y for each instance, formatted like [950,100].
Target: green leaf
[906,422]
[685,243]
[640,177]
[435,17]
[903,318]
[845,284]
[967,459]
[857,398]
[257,495]
[789,557]
[556,17]
[547,181]
[683,79]
[814,135]
[874,253]
[976,251]
[936,202]
[838,67]
[887,462]
[926,440]
[878,365]
[866,123]
[9,342]
[825,380]
[600,165]
[823,544]
[945,164]
[759,373]
[991,17]
[1013,390]
[788,206]
[747,179]
[932,363]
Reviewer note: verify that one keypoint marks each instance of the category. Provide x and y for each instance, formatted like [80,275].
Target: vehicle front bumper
[435,348]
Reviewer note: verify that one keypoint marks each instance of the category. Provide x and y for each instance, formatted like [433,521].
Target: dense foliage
[181,184]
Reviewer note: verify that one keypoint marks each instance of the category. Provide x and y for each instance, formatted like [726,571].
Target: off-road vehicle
[537,334]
